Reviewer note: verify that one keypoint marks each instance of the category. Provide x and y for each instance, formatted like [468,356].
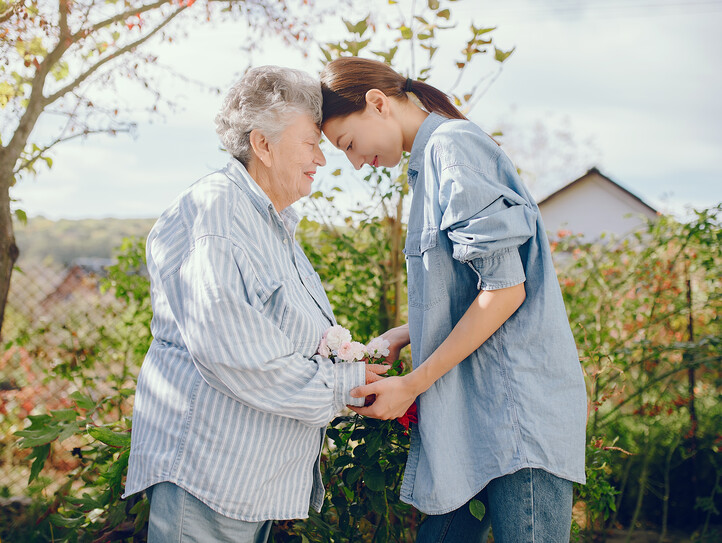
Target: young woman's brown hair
[346,80]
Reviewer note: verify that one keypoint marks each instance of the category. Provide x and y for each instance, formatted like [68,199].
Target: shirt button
[285,241]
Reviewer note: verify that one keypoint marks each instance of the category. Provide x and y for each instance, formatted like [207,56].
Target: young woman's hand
[374,372]
[394,395]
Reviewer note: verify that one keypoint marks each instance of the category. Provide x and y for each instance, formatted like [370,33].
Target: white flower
[335,336]
[378,348]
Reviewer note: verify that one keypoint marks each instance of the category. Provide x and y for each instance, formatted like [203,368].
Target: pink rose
[323,349]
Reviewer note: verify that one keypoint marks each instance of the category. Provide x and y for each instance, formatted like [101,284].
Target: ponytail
[346,80]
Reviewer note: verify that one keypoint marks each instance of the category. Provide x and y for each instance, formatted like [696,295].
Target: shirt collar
[416,158]
[238,173]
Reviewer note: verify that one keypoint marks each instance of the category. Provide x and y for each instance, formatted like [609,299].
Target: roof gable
[595,174]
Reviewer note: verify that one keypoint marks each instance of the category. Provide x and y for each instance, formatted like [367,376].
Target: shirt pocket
[423,268]
[273,302]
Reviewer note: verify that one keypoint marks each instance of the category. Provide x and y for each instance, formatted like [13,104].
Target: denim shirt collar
[238,173]
[416,159]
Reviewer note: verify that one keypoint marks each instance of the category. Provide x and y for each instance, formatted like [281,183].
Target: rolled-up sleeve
[486,221]
[240,351]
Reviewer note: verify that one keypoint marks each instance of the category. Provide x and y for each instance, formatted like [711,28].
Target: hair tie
[407,86]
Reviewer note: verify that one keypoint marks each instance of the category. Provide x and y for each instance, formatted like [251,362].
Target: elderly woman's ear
[261,147]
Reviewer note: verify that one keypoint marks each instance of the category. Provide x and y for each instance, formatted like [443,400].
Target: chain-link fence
[54,318]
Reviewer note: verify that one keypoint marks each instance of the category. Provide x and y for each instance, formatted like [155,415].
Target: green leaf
[70,430]
[342,461]
[352,474]
[7,93]
[433,4]
[479,31]
[477,509]
[82,401]
[64,415]
[21,216]
[41,436]
[354,47]
[326,54]
[387,56]
[358,28]
[39,456]
[63,522]
[406,32]
[373,442]
[501,56]
[444,14]
[375,479]
[109,437]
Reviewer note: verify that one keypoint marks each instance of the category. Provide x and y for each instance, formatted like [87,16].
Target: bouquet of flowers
[337,344]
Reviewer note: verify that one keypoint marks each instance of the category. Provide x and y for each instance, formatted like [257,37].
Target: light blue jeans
[529,506]
[179,517]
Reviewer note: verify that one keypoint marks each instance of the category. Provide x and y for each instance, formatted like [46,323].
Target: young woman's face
[371,136]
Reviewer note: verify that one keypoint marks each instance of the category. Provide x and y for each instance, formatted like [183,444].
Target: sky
[631,87]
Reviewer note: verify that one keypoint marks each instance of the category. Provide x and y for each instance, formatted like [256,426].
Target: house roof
[595,171]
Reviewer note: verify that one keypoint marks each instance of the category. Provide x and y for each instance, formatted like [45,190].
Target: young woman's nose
[356,161]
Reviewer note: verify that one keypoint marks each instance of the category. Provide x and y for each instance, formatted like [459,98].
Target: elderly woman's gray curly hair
[265,99]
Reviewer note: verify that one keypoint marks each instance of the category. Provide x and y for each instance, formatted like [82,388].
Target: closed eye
[349,146]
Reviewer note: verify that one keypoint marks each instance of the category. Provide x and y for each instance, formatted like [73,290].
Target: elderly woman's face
[294,159]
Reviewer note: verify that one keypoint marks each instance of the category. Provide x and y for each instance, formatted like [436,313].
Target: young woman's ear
[261,147]
[378,101]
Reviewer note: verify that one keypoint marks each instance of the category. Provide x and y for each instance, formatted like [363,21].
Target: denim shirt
[518,401]
[232,399]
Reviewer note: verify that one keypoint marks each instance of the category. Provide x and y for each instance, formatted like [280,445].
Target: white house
[594,204]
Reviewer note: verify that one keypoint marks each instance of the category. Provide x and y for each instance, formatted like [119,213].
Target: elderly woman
[232,399]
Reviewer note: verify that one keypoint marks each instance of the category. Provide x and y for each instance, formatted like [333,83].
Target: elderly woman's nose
[320,158]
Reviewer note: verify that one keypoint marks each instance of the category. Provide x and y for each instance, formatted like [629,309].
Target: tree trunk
[620,496]
[691,378]
[8,250]
[667,489]
[642,488]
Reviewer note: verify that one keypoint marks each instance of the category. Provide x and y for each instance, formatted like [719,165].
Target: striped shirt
[232,400]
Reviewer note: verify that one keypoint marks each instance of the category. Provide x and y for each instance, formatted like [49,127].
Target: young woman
[496,375]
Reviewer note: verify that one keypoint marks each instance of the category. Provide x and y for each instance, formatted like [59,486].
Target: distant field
[61,242]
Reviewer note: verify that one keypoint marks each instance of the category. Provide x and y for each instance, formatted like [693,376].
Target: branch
[63,21]
[90,71]
[120,17]
[662,377]
[10,10]
[38,154]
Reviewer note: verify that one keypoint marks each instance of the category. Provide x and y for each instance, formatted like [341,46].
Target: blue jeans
[179,517]
[529,506]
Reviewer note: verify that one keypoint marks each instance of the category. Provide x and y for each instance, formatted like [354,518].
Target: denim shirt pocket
[423,267]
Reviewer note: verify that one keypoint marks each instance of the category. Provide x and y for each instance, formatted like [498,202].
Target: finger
[360,392]
[372,377]
[368,389]
[364,411]
[378,368]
